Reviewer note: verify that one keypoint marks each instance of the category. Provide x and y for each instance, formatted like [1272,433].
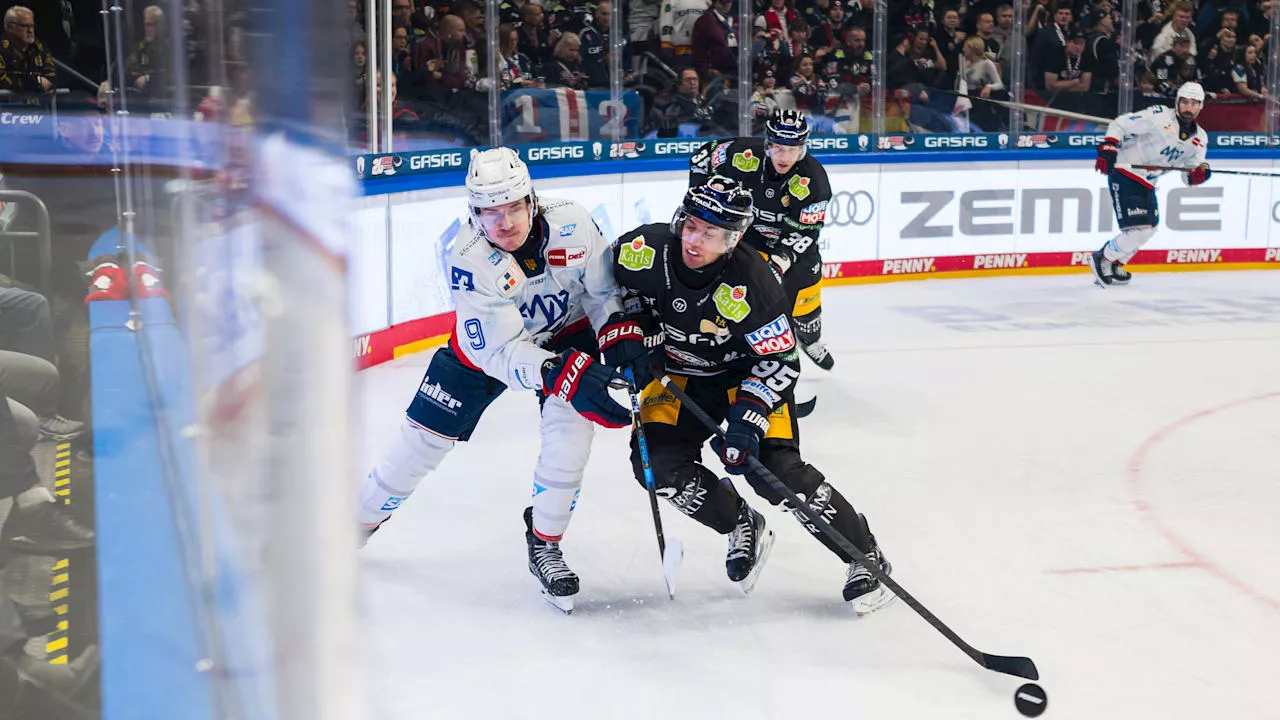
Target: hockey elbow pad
[1107,152]
[1199,175]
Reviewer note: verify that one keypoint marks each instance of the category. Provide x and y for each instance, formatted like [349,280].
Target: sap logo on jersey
[555,152]
[775,337]
[956,141]
[567,230]
[567,257]
[438,395]
[677,147]
[438,160]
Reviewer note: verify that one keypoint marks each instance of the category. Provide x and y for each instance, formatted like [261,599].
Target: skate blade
[749,582]
[562,603]
[879,598]
[671,559]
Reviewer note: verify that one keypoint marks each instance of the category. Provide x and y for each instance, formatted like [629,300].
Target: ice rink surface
[1090,478]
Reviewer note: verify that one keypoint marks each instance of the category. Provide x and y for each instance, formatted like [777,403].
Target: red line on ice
[1148,512]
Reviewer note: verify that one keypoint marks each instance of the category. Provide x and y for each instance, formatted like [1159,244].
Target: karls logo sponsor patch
[567,257]
[746,161]
[732,301]
[636,255]
[775,337]
[798,186]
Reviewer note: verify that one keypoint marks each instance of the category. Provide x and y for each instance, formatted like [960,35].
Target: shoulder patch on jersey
[495,258]
[799,186]
[567,230]
[814,214]
[732,301]
[567,257]
[460,279]
[720,154]
[509,279]
[636,255]
[773,338]
[746,161]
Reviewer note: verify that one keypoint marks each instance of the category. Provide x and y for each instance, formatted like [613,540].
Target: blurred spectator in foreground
[25,66]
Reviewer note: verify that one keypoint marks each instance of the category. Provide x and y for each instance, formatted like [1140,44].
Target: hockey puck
[1031,700]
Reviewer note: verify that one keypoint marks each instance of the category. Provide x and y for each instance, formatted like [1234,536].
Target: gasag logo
[677,147]
[435,161]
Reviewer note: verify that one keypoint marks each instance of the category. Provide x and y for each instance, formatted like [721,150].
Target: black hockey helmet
[787,127]
[721,201]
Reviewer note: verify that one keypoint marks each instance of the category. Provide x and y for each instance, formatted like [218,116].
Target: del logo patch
[636,255]
[746,161]
[775,337]
[732,302]
[567,257]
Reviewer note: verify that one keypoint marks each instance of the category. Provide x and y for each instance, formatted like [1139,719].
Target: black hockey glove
[583,383]
[622,343]
[748,422]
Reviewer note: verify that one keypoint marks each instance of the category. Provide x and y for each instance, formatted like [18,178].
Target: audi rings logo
[850,208]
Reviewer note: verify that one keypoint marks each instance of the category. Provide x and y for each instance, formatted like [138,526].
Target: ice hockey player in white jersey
[532,283]
[1155,136]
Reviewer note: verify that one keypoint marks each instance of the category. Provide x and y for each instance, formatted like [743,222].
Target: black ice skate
[1103,269]
[819,354]
[749,545]
[44,529]
[1120,276]
[865,590]
[546,562]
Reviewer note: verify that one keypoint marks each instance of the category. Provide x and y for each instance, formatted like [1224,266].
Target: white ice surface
[1090,478]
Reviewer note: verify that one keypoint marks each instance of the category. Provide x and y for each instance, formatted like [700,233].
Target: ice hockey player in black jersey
[726,340]
[790,191]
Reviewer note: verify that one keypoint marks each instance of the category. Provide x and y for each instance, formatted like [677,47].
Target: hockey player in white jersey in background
[532,283]
[1155,136]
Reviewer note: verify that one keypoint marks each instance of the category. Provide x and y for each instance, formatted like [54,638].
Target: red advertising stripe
[381,346]
[1040,263]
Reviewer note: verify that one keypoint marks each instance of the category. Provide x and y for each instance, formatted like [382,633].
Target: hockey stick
[1017,666]
[1215,172]
[671,555]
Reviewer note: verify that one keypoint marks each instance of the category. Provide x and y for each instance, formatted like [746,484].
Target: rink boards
[900,221]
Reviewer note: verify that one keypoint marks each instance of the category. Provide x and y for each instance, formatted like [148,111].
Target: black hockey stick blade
[1017,666]
[805,409]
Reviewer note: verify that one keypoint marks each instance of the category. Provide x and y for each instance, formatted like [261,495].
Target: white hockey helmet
[498,176]
[1191,91]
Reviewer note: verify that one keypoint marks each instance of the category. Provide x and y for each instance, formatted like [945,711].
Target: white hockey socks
[414,452]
